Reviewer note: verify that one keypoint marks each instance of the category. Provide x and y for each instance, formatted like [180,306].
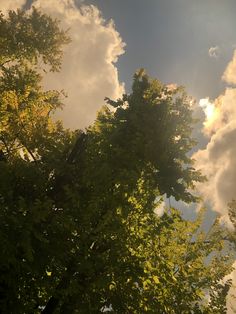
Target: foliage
[232,218]
[78,229]
[31,37]
[232,212]
[154,123]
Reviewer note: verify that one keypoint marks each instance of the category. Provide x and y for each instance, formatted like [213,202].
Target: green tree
[78,229]
[232,217]
[29,145]
[232,212]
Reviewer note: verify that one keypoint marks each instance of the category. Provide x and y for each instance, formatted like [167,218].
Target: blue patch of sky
[171,39]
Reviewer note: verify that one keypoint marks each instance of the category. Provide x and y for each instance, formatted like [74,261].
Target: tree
[29,143]
[232,218]
[232,212]
[78,229]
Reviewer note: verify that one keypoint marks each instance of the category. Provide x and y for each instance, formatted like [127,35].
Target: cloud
[210,112]
[214,52]
[88,73]
[217,161]
[229,75]
[6,5]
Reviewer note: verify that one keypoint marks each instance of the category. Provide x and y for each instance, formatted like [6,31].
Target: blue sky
[171,39]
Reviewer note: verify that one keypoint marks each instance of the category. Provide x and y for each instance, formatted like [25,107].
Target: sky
[190,43]
[171,39]
[186,42]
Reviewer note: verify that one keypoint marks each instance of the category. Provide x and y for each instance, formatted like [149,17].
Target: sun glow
[210,111]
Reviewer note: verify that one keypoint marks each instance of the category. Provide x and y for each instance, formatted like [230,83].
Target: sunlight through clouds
[210,111]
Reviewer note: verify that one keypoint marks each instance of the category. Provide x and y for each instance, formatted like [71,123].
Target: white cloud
[209,109]
[229,75]
[214,52]
[88,73]
[6,5]
[223,111]
[217,161]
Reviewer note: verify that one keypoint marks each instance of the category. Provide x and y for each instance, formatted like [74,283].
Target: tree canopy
[79,232]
